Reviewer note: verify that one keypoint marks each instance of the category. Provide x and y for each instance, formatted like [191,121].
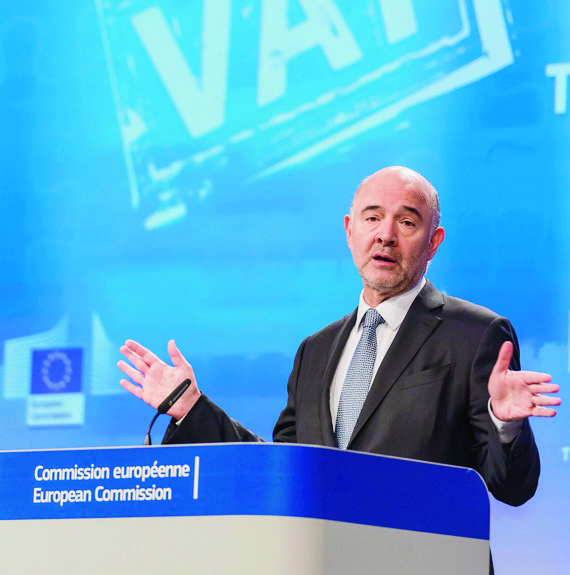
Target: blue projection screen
[181,169]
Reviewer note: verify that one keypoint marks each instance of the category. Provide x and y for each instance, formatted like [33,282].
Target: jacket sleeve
[510,470]
[207,423]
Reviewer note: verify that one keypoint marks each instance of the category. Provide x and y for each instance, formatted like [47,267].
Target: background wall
[181,170]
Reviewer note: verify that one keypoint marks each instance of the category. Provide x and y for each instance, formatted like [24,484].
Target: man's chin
[386,289]
[385,281]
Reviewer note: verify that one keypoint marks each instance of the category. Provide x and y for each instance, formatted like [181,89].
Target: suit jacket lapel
[419,323]
[333,357]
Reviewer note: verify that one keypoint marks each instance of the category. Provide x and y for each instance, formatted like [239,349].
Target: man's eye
[408,223]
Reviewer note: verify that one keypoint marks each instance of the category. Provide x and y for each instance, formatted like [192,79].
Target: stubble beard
[402,282]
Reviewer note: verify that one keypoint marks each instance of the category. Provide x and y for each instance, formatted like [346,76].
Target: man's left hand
[519,394]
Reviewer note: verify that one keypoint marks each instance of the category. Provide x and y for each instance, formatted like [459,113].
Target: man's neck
[374,298]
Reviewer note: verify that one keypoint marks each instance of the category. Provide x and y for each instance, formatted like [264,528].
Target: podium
[238,509]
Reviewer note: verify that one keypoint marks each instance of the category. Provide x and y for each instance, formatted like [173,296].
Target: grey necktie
[358,378]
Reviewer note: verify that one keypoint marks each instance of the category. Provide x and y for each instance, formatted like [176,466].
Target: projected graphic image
[290,81]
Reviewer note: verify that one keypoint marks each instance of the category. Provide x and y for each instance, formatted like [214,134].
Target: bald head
[410,180]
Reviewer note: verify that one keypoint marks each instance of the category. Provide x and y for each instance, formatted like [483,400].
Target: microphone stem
[147,440]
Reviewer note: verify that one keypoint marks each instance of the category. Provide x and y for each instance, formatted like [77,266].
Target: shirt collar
[394,309]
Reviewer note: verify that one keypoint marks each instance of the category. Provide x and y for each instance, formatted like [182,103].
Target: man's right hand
[155,380]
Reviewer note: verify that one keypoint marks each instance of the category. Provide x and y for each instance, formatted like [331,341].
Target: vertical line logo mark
[196,476]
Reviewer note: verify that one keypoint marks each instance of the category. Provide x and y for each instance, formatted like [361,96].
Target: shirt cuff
[507,430]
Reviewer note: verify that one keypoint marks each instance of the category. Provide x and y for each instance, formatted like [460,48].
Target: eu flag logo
[57,370]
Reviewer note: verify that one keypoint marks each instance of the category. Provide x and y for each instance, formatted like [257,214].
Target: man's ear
[435,242]
[348,230]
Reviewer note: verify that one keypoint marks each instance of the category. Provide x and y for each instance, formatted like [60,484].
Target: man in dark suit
[446,386]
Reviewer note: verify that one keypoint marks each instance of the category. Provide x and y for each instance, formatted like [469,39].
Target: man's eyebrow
[413,211]
[371,209]
[410,209]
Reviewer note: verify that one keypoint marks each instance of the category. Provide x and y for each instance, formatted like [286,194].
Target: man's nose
[386,233]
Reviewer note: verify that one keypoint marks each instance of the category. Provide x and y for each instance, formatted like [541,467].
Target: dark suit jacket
[428,400]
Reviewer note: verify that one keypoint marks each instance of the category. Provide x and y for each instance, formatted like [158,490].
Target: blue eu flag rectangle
[57,370]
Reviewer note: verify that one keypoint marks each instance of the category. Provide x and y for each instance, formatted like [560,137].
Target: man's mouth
[384,258]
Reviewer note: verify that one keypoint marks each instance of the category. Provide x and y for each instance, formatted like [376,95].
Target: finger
[131,372]
[139,363]
[543,388]
[543,412]
[539,400]
[134,358]
[141,351]
[176,356]
[534,377]
[132,388]
[504,358]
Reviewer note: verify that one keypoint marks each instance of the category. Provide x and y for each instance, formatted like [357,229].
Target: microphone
[170,400]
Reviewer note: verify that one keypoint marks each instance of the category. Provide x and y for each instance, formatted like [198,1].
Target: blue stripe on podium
[244,479]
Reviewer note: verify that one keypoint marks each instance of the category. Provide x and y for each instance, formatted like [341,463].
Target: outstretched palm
[154,379]
[519,394]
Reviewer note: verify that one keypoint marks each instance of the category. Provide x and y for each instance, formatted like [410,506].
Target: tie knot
[372,319]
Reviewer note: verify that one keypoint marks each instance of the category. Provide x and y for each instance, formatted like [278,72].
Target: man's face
[389,233]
